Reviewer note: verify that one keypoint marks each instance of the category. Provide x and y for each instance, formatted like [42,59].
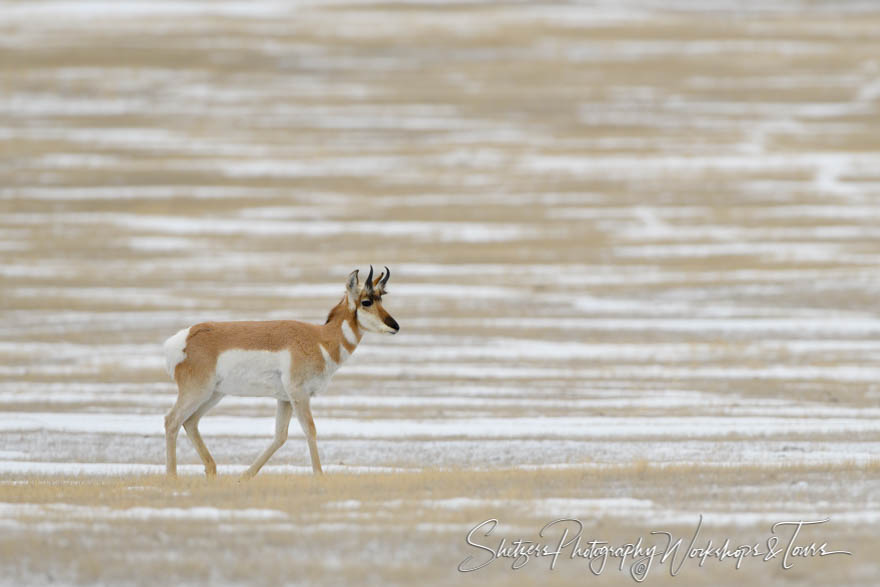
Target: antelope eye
[367,303]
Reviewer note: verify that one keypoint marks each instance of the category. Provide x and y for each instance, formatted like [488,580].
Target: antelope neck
[342,333]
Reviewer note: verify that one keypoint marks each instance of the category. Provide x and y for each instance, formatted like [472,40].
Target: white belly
[253,373]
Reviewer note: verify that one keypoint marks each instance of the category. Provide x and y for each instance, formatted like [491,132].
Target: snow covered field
[635,263]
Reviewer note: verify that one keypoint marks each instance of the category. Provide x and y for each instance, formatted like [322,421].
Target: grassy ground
[412,526]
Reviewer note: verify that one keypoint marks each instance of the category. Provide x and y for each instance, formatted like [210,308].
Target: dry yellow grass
[393,527]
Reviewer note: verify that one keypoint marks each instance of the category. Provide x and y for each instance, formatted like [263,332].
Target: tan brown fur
[383,315]
[208,339]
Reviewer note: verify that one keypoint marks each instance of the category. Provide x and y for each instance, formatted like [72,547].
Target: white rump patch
[174,350]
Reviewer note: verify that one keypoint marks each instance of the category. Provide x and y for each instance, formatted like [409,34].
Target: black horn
[368,285]
[387,275]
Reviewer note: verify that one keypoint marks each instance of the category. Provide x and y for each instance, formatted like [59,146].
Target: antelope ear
[352,290]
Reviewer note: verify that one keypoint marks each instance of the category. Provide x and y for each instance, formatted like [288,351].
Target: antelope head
[366,302]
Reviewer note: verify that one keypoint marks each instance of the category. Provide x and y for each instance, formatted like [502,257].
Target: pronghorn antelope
[285,359]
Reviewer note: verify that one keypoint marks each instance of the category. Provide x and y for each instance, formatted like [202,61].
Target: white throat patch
[348,333]
[329,364]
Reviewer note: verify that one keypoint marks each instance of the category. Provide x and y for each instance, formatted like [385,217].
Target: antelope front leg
[304,415]
[282,419]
